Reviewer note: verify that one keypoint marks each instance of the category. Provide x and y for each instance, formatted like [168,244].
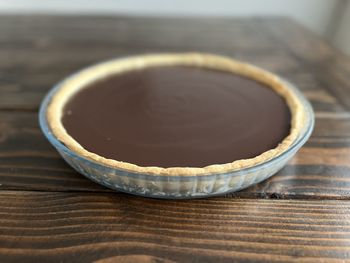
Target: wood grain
[37,52]
[188,33]
[50,213]
[319,170]
[28,161]
[65,227]
[330,66]
[19,76]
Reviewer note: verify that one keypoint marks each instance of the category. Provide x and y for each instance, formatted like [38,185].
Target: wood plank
[23,84]
[38,51]
[28,161]
[331,67]
[87,222]
[52,59]
[65,227]
[320,170]
[133,32]
[31,69]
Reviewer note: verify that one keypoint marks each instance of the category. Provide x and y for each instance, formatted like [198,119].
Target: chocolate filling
[177,116]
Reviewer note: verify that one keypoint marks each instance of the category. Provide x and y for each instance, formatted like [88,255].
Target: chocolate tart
[165,121]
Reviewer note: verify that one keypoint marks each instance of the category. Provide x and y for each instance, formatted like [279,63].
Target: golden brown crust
[78,81]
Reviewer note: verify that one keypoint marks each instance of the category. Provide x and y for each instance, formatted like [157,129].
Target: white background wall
[342,36]
[318,15]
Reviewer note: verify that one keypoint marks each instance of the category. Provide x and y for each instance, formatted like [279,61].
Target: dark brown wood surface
[48,212]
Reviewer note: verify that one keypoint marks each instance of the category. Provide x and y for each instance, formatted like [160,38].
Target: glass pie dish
[183,185]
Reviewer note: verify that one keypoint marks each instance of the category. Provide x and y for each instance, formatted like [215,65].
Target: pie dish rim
[73,84]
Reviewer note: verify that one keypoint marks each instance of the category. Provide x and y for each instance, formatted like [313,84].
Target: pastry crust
[78,81]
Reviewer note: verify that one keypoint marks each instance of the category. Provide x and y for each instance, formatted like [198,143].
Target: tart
[175,115]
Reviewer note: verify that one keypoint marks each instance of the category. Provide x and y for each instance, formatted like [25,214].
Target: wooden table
[48,212]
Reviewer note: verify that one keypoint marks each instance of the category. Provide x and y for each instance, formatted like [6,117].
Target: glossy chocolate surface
[177,117]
